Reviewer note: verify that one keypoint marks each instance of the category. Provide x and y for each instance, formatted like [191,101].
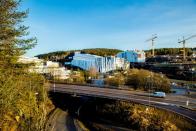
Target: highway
[171,103]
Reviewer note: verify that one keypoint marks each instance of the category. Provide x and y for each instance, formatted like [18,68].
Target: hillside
[108,52]
[95,51]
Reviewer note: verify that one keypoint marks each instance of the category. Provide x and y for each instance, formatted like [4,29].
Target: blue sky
[123,24]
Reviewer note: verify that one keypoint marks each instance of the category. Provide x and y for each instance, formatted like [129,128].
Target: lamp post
[188,90]
[54,86]
[148,84]
[187,101]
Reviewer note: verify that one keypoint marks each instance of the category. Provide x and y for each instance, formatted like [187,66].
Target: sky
[123,24]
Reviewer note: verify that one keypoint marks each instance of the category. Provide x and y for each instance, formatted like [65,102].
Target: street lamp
[54,86]
[148,84]
[188,90]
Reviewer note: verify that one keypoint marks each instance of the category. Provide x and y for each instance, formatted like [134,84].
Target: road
[60,121]
[171,103]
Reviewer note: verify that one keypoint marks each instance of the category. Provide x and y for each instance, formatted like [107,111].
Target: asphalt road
[172,103]
[61,121]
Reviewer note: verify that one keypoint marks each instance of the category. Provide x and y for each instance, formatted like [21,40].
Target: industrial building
[101,64]
[132,55]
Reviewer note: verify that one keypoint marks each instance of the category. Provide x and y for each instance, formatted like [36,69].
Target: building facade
[132,55]
[101,64]
[45,67]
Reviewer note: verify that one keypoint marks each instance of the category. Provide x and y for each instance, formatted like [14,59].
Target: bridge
[171,103]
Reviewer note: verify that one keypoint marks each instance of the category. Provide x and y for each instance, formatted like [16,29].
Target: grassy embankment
[140,117]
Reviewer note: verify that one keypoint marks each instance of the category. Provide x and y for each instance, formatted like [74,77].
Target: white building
[121,63]
[101,64]
[45,67]
[51,64]
[28,60]
[132,55]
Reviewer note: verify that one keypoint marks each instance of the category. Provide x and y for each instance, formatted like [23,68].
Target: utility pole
[152,40]
[183,41]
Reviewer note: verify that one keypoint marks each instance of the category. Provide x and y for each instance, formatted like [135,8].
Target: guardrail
[122,87]
[166,107]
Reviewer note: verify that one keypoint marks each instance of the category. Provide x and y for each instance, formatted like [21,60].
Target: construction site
[181,67]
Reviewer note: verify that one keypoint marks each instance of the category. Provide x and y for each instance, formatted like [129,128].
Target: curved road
[60,121]
[169,103]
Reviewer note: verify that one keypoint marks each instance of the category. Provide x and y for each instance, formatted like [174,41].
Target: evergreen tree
[23,95]
[13,34]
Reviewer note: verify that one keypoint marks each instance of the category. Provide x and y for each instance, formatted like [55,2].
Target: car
[159,94]
[174,84]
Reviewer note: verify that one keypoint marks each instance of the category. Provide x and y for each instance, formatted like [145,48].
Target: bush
[116,80]
[76,77]
[140,117]
[23,99]
[146,80]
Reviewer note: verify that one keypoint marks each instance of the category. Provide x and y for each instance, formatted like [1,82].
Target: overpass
[171,103]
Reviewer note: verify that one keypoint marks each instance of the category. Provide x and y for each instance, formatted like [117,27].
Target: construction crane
[152,40]
[183,41]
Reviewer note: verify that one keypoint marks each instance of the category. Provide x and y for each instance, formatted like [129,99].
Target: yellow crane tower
[152,40]
[183,41]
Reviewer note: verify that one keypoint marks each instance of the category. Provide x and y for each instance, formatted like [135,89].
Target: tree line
[94,51]
[112,52]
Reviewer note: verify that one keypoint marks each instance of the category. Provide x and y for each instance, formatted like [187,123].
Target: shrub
[146,80]
[140,117]
[116,80]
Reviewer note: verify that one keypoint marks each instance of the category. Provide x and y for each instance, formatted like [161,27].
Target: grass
[81,125]
[140,117]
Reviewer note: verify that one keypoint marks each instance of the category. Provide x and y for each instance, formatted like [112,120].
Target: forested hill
[94,51]
[108,52]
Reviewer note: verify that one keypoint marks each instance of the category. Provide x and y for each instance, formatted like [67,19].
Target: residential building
[46,67]
[132,55]
[28,60]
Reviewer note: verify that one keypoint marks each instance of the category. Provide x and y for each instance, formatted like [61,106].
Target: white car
[159,94]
